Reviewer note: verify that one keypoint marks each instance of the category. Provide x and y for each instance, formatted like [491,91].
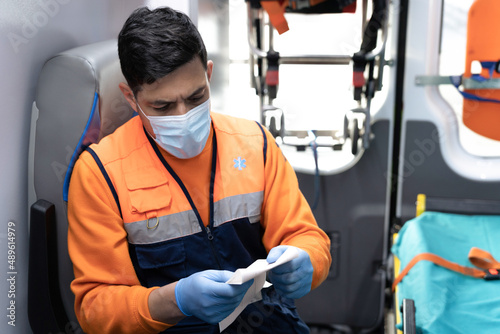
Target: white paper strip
[256,271]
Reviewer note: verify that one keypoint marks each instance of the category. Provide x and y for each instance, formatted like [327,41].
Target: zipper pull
[209,233]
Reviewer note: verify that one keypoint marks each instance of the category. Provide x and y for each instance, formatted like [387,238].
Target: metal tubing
[309,59]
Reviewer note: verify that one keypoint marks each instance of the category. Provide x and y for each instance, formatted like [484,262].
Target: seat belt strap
[478,257]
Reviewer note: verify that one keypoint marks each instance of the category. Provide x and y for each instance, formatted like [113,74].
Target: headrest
[79,103]
[70,81]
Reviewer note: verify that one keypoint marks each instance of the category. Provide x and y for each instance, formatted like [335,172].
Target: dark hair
[154,43]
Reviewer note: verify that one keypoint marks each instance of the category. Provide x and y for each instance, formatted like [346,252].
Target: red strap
[272,77]
[315,2]
[358,79]
[478,257]
[350,8]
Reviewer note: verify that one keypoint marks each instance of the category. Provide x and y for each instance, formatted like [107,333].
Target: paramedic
[163,210]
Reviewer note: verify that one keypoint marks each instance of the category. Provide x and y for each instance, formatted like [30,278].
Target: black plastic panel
[352,211]
[431,175]
[45,308]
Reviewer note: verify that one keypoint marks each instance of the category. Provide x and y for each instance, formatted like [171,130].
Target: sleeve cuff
[320,261]
[144,315]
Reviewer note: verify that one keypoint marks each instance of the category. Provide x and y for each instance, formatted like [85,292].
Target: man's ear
[129,95]
[210,66]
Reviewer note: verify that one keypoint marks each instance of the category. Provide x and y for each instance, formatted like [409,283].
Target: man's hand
[294,278]
[206,296]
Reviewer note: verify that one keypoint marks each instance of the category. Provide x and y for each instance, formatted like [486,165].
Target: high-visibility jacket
[166,237]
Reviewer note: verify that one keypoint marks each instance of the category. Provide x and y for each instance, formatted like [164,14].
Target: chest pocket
[148,190]
[160,263]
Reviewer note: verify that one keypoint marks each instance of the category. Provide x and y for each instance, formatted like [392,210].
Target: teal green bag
[447,301]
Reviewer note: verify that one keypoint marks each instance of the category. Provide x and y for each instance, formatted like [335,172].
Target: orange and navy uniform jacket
[140,218]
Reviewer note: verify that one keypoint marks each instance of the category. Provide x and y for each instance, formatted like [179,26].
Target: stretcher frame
[375,59]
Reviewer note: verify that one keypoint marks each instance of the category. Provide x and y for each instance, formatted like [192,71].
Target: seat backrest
[78,102]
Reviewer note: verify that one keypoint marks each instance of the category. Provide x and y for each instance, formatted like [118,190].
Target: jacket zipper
[211,240]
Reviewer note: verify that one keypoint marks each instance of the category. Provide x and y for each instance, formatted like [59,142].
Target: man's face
[174,94]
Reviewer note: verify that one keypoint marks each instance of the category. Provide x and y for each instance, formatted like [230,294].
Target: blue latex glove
[294,278]
[206,296]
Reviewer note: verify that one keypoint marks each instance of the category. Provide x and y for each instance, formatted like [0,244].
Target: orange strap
[478,257]
[482,259]
[276,11]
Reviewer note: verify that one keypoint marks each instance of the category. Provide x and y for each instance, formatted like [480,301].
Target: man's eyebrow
[161,102]
[157,103]
[198,91]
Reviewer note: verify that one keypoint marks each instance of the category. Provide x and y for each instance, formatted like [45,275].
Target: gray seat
[78,102]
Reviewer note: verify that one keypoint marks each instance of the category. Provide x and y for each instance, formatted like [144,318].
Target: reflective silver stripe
[169,227]
[238,206]
[185,223]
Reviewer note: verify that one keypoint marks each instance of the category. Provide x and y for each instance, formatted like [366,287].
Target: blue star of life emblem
[239,163]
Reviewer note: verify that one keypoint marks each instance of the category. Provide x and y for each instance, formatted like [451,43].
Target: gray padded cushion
[69,80]
[65,95]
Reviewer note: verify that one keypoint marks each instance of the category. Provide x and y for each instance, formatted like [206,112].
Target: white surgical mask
[183,136]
